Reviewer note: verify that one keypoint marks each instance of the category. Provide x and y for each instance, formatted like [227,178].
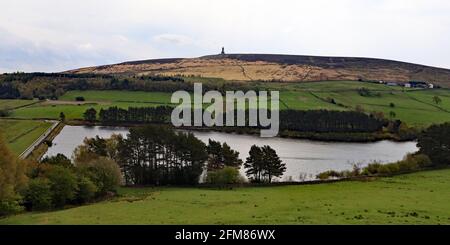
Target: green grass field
[419,198]
[19,134]
[119,96]
[415,107]
[11,104]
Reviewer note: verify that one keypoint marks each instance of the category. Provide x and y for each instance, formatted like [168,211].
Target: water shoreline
[313,136]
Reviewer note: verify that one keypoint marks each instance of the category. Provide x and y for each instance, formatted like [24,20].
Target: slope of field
[20,134]
[419,198]
[93,99]
[12,104]
[415,107]
[247,67]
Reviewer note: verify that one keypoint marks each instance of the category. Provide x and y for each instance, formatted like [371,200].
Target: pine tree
[230,157]
[214,150]
[273,166]
[253,164]
[220,156]
[90,115]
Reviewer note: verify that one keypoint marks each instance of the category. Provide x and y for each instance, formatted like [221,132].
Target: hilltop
[289,68]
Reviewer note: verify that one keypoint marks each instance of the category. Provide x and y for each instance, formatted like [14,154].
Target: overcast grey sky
[56,35]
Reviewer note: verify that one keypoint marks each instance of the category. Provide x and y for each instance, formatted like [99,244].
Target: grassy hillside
[94,99]
[12,104]
[19,134]
[293,68]
[419,198]
[415,107]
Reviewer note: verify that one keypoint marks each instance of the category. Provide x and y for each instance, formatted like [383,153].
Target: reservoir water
[304,158]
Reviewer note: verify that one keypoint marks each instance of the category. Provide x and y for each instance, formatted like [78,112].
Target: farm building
[418,84]
[392,84]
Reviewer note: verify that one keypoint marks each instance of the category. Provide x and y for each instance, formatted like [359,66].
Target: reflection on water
[304,159]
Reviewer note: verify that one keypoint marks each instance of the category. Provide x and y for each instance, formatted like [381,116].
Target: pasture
[19,134]
[418,198]
[415,107]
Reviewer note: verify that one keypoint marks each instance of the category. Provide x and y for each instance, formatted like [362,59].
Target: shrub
[103,172]
[38,196]
[5,113]
[63,184]
[227,175]
[409,163]
[59,160]
[79,98]
[86,190]
[8,207]
[329,174]
[422,160]
[372,169]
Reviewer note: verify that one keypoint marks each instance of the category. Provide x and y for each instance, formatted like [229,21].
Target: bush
[329,174]
[63,184]
[5,113]
[79,98]
[409,163]
[372,169]
[422,160]
[103,172]
[38,196]
[86,190]
[8,207]
[227,175]
[59,160]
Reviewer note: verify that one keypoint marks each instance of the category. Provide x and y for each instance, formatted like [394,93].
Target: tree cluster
[263,164]
[158,155]
[435,143]
[302,121]
[160,114]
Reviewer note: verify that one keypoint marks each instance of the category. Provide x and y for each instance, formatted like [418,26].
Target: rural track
[38,141]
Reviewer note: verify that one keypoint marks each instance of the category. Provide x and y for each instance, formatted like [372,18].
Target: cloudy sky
[56,35]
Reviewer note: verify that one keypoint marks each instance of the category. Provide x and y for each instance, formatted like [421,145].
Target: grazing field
[419,198]
[20,134]
[11,104]
[415,107]
[119,96]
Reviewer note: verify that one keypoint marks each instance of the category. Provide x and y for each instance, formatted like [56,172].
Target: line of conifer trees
[294,120]
[159,155]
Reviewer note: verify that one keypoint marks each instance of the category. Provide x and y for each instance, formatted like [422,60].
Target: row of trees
[330,121]
[160,114]
[52,85]
[302,121]
[159,156]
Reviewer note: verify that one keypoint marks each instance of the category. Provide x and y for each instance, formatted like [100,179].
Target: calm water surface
[304,159]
